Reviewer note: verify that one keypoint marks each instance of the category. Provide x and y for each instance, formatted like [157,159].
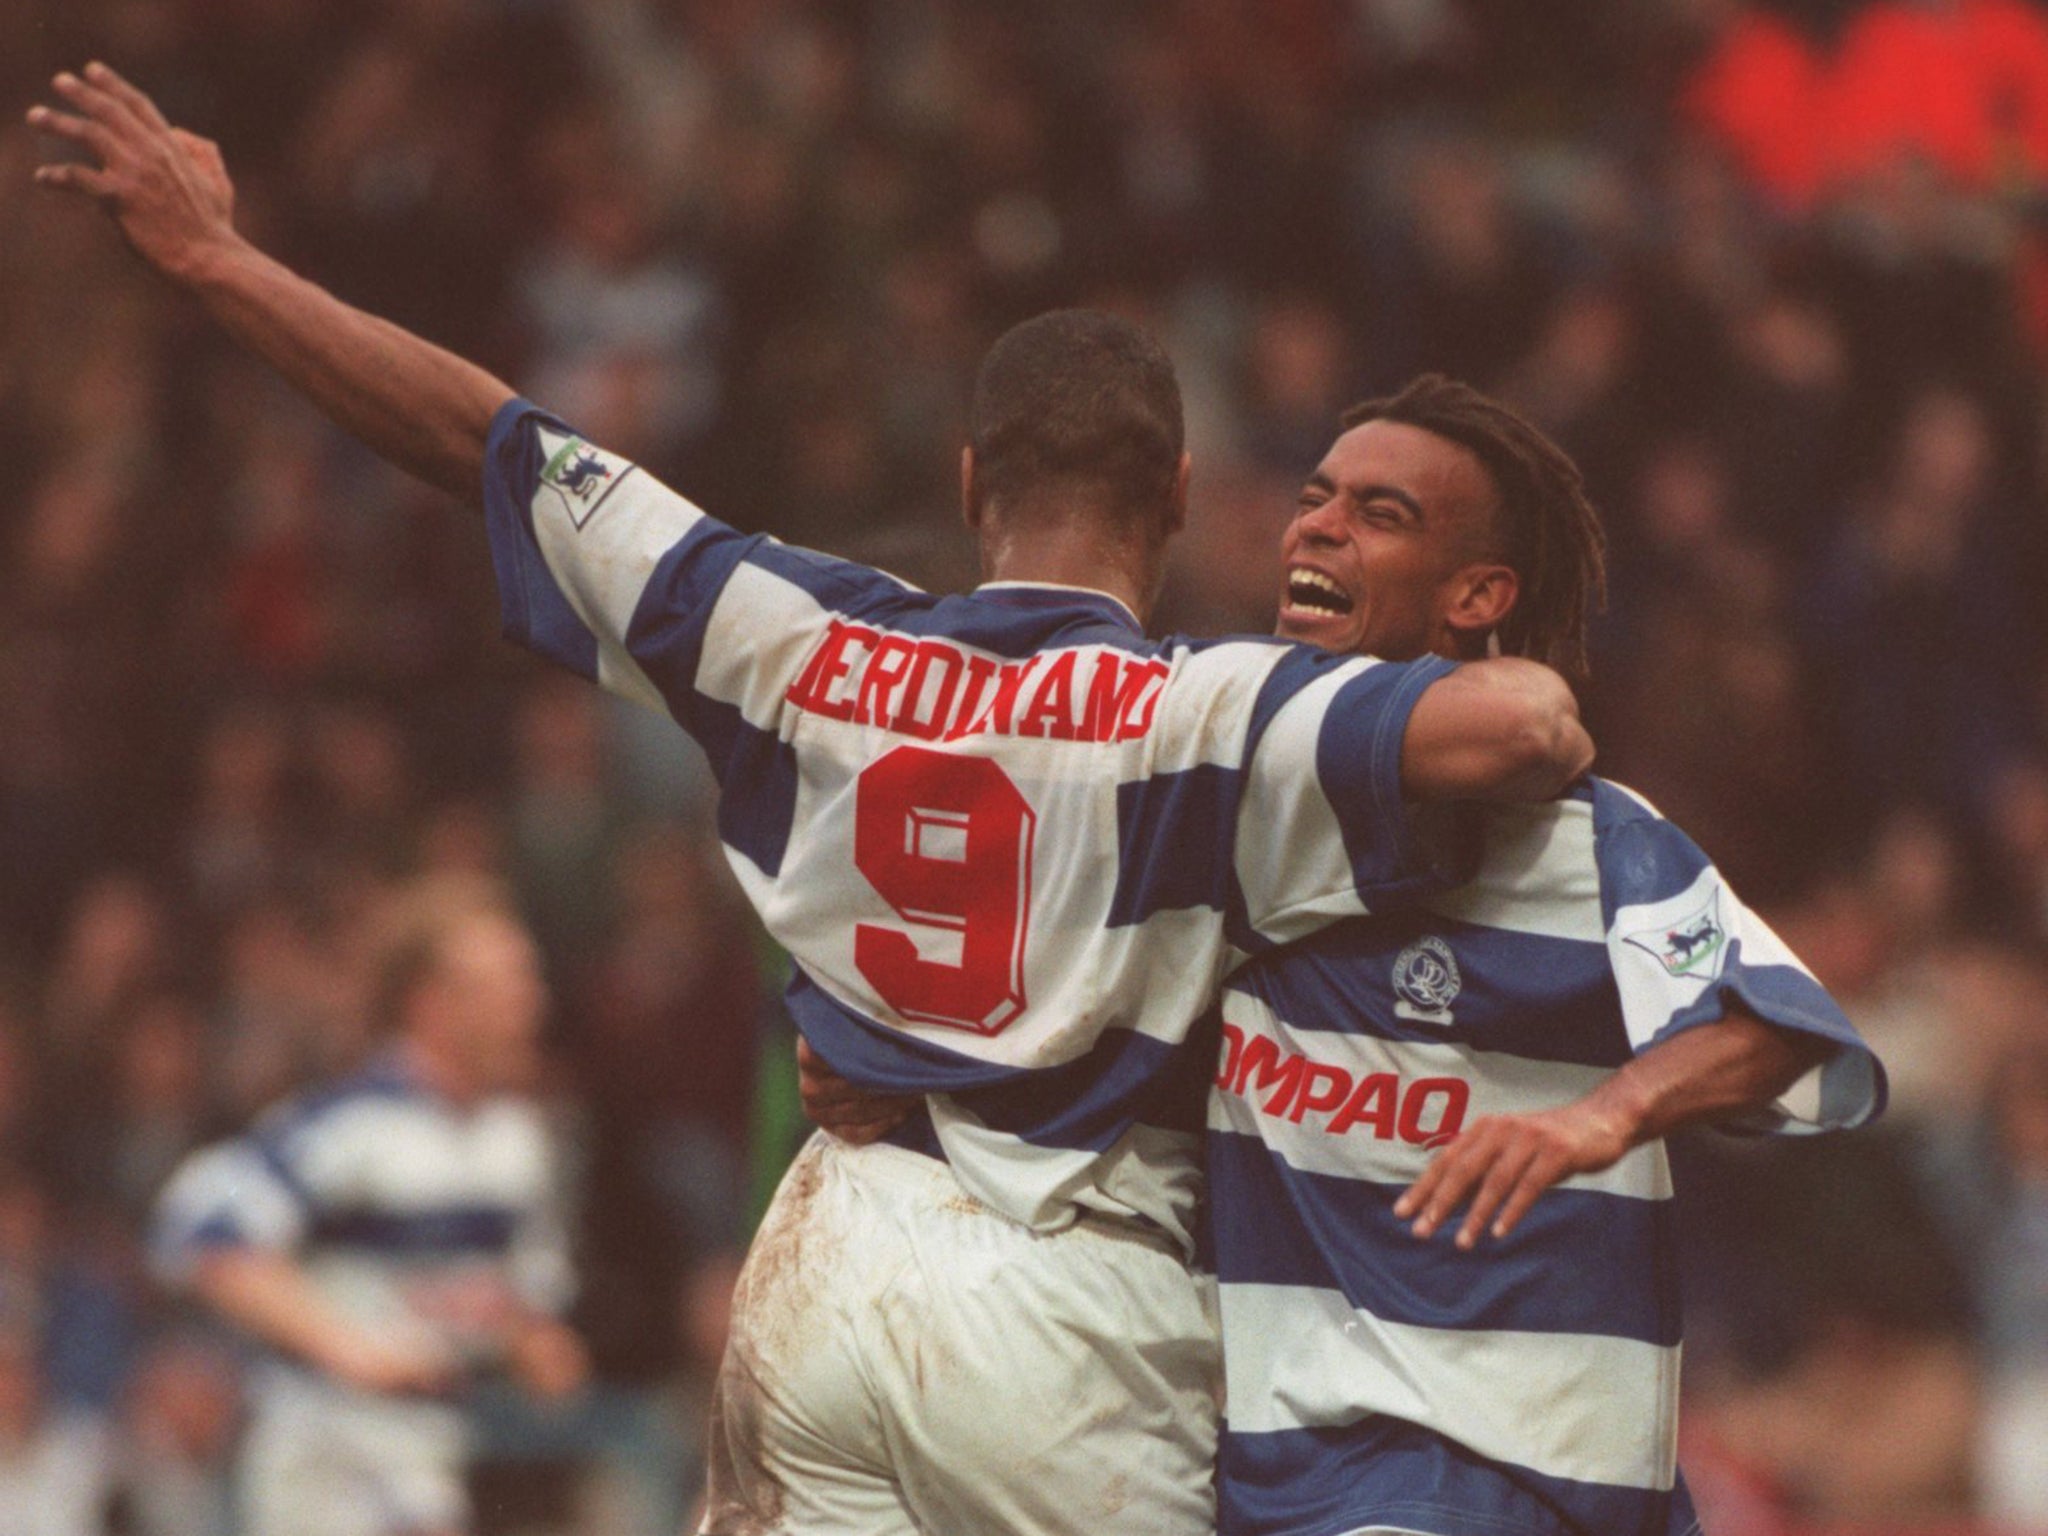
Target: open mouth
[1315,592]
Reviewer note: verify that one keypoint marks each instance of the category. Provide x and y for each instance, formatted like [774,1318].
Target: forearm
[269,1296]
[1504,1162]
[1501,730]
[1706,1073]
[415,404]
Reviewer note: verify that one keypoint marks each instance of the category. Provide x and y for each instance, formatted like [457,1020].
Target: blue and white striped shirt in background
[411,1215]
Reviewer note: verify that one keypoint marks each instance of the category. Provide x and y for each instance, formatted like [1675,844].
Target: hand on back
[852,1114]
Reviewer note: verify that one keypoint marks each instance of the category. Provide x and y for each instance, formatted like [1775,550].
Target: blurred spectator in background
[1917,616]
[55,1469]
[666,1061]
[1991,1173]
[390,1236]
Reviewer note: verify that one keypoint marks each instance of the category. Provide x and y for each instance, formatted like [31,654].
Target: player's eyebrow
[1375,491]
[1370,491]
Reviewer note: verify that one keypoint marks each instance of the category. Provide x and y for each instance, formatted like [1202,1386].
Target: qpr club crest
[1426,981]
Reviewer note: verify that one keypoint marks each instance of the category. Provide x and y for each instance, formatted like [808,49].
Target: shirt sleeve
[608,572]
[237,1194]
[1323,832]
[577,536]
[1683,947]
[538,1264]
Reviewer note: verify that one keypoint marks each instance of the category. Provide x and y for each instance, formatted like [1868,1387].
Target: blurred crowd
[1777,275]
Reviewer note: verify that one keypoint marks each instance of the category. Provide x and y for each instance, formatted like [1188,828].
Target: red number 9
[946,841]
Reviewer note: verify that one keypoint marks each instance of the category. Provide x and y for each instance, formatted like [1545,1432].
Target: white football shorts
[903,1360]
[351,1465]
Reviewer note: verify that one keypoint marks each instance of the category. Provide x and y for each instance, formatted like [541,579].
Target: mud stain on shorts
[742,1496]
[775,1313]
[774,1309]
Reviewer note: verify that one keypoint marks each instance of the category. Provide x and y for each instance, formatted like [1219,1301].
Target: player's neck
[1071,558]
[438,1072]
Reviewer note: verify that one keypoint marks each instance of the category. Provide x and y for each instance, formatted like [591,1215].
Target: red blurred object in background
[1964,88]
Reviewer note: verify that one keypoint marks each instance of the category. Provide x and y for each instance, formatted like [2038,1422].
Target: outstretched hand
[416,404]
[1502,1163]
[167,189]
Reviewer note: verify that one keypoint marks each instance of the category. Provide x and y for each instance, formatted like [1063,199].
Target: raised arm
[1505,730]
[423,408]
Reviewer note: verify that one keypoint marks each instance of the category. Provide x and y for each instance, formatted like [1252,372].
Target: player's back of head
[1548,531]
[1077,412]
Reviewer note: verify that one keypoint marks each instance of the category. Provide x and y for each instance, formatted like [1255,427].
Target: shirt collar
[1028,593]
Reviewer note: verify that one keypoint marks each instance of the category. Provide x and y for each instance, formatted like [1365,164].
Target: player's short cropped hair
[1077,403]
[1548,532]
[411,932]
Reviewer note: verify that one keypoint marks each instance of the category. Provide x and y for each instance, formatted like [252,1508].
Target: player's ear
[970,501]
[1177,512]
[1481,597]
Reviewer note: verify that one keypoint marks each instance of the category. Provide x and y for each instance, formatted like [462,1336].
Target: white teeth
[1308,588]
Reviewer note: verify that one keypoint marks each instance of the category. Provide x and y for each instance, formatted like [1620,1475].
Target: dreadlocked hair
[1551,535]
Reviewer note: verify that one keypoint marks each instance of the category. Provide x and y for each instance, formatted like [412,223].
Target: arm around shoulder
[1503,730]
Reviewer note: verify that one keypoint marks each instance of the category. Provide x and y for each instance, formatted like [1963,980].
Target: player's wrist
[1615,1119]
[208,264]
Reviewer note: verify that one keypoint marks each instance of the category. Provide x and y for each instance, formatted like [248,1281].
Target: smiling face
[1392,550]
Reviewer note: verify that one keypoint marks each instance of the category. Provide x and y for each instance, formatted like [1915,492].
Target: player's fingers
[95,103]
[75,178]
[130,96]
[1449,1156]
[1415,1194]
[855,1107]
[1540,1175]
[1462,1167]
[821,1102]
[1500,1179]
[861,1133]
[809,1068]
[824,1086]
[65,125]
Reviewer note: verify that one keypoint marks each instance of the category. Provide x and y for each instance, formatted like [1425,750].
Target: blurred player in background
[1593,989]
[1012,844]
[388,1237]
